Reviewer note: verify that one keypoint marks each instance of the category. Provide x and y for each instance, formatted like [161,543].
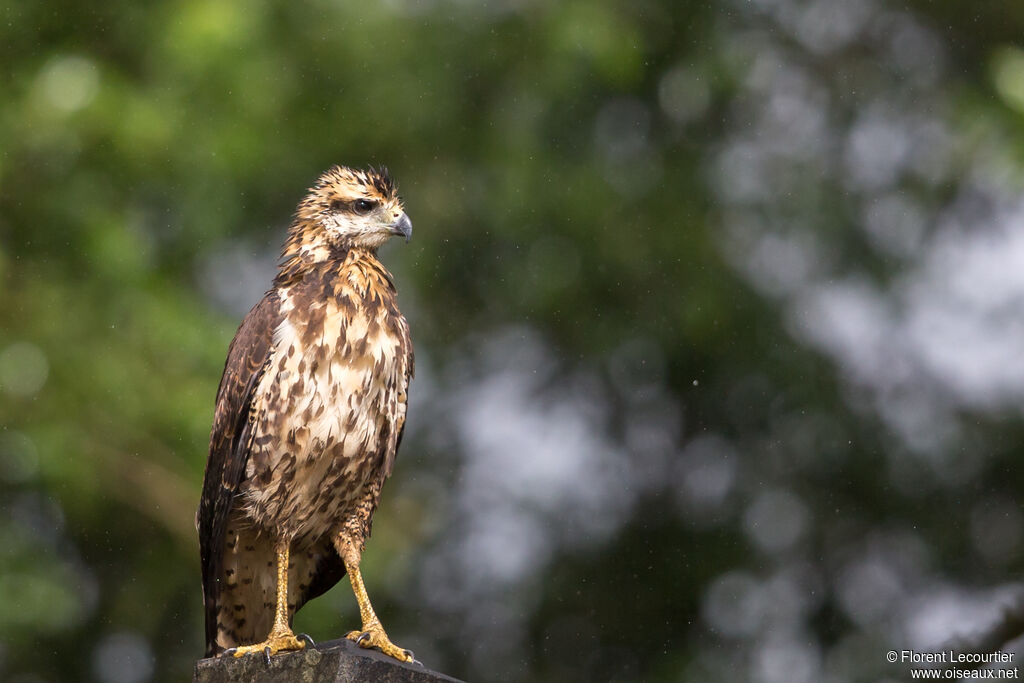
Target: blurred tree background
[717,309]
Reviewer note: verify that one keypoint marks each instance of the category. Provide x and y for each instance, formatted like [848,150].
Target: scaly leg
[372,634]
[281,636]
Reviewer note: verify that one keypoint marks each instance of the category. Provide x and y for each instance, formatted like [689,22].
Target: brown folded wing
[229,445]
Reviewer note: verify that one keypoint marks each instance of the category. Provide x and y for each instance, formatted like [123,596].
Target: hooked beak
[403,226]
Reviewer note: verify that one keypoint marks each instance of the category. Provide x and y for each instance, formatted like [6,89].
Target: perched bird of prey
[309,416]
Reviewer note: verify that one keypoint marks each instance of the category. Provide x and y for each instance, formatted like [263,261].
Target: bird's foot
[278,640]
[373,636]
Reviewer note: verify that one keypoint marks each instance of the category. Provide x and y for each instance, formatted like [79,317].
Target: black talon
[266,654]
[306,637]
[410,654]
[230,651]
[365,635]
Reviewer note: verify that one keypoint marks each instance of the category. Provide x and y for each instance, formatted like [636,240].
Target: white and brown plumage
[309,416]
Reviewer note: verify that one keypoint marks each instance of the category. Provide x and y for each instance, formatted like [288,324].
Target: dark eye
[364,206]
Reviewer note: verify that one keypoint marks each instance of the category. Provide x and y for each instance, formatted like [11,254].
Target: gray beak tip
[403,226]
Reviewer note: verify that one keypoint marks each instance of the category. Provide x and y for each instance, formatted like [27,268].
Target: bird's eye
[364,206]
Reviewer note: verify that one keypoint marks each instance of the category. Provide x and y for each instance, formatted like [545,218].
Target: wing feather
[248,355]
[400,398]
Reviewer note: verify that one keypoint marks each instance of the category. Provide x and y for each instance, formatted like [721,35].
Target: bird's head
[350,208]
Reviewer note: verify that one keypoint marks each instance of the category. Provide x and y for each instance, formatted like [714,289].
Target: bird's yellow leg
[280,636]
[372,635]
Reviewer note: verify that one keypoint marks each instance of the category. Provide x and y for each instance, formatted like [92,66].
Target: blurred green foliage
[143,143]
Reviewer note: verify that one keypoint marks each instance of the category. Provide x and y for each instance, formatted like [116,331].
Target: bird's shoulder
[248,353]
